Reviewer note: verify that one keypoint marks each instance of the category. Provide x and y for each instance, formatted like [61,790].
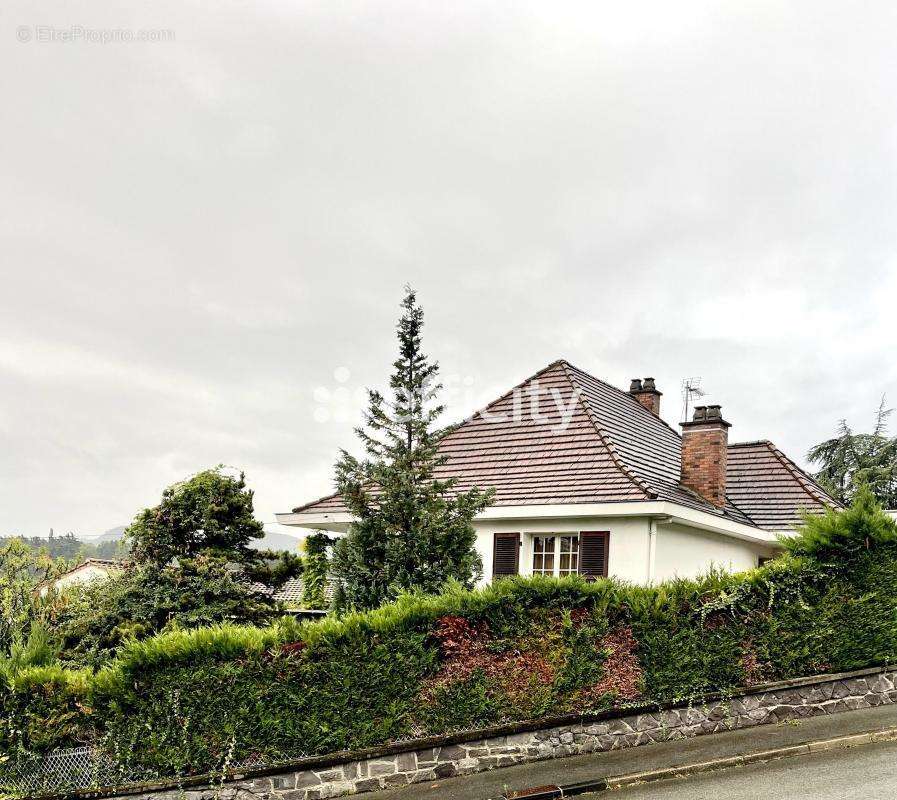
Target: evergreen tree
[411,531]
[315,570]
[210,513]
[851,460]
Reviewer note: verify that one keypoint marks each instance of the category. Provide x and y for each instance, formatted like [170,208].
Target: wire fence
[79,768]
[82,769]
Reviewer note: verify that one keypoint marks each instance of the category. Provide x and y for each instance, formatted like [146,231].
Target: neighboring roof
[106,564]
[290,594]
[770,487]
[613,449]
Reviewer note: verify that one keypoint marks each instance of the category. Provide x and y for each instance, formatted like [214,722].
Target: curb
[555,792]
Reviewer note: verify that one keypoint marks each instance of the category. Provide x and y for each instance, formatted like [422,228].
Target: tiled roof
[532,458]
[770,487]
[612,449]
[290,594]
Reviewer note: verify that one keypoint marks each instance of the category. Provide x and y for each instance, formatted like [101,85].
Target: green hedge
[520,649]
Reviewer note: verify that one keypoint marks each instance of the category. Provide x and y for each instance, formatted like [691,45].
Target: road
[862,773]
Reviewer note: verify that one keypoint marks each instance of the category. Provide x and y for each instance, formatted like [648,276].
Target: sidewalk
[485,785]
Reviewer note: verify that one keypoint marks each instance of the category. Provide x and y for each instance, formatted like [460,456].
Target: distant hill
[274,540]
[112,535]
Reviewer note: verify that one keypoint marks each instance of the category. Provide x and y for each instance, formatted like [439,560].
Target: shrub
[185,701]
[838,534]
[95,621]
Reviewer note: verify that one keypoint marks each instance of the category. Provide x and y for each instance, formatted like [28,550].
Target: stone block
[377,769]
[834,706]
[450,753]
[330,790]
[304,780]
[645,722]
[448,769]
[406,762]
[751,702]
[827,689]
[368,785]
[469,765]
[283,781]
[840,690]
[429,754]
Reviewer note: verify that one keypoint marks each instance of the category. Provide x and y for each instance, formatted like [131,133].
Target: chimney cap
[639,386]
[707,415]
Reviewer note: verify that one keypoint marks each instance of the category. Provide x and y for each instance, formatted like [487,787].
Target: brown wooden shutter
[593,549]
[505,554]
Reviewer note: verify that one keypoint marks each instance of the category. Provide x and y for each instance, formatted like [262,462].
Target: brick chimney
[704,454]
[646,393]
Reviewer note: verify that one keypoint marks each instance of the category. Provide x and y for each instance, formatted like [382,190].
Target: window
[556,555]
[569,563]
[505,554]
[543,555]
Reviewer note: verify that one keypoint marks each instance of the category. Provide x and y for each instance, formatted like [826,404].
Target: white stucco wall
[679,550]
[627,551]
[686,552]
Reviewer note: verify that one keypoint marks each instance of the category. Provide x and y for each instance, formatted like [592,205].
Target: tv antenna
[691,390]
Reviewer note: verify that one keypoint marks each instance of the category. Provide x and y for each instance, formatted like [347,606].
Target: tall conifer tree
[411,531]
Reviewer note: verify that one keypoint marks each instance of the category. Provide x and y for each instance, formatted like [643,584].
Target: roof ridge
[508,393]
[623,393]
[605,437]
[752,443]
[801,476]
[455,426]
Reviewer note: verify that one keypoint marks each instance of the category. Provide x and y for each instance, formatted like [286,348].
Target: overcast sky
[203,241]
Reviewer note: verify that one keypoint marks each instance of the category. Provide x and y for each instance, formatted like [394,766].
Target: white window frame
[556,566]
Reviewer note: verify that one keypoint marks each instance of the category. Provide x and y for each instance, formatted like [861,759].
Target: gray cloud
[196,233]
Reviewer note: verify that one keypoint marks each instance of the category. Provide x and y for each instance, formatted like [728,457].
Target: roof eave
[339,522]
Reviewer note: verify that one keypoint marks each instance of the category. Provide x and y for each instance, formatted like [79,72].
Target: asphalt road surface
[868,772]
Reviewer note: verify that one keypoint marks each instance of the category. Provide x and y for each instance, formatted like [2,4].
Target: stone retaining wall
[762,705]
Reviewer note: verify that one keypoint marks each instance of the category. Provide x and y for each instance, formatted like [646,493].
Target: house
[589,479]
[88,571]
